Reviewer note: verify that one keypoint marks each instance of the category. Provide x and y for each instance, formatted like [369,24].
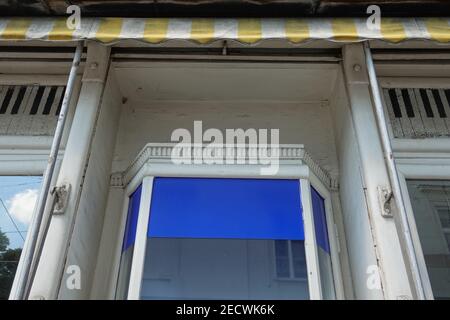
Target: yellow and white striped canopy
[202,31]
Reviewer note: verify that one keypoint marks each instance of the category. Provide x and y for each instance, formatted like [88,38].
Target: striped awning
[207,30]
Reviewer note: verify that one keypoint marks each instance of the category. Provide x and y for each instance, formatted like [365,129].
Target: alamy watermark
[73,22]
[374,20]
[73,280]
[231,146]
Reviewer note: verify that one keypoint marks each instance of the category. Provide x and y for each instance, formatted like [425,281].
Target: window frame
[418,159]
[307,179]
[290,257]
[417,171]
[28,154]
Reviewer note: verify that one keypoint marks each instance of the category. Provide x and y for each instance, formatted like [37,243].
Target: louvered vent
[29,110]
[418,113]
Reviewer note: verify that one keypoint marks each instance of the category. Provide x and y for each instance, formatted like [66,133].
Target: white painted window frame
[419,159]
[427,170]
[303,173]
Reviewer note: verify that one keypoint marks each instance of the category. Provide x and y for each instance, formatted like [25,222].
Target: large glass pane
[224,239]
[430,201]
[323,245]
[128,244]
[282,259]
[18,195]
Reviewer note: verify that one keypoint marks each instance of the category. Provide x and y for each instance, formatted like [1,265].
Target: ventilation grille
[29,110]
[418,113]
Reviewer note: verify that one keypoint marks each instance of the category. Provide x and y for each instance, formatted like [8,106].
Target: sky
[19,194]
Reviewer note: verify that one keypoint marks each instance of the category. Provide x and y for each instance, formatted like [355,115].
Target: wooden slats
[29,110]
[419,120]
[407,115]
[394,116]
[419,112]
[439,122]
[426,115]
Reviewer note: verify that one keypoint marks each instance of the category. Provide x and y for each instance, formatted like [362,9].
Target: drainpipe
[31,250]
[392,170]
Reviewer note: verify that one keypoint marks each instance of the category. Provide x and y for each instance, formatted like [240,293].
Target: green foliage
[9,258]
[4,241]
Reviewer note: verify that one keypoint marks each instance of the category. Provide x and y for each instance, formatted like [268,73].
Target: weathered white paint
[149,116]
[28,155]
[355,225]
[137,266]
[110,247]
[154,160]
[421,125]
[312,255]
[23,123]
[335,246]
[298,123]
[83,249]
[72,171]
[393,270]
[427,159]
[165,96]
[26,148]
[347,292]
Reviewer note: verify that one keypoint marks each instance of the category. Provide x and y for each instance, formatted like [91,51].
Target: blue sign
[226,208]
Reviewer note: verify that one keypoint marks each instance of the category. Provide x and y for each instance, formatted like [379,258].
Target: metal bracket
[61,198]
[385,196]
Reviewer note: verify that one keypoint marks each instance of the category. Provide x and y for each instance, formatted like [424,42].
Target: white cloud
[21,205]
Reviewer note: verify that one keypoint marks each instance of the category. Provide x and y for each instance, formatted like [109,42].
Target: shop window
[430,201]
[224,238]
[208,238]
[18,195]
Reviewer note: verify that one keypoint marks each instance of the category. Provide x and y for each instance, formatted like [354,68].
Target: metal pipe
[392,169]
[28,269]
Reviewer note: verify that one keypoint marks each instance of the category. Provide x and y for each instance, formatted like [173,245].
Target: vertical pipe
[28,269]
[392,169]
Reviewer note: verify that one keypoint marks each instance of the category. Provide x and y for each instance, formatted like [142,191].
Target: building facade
[231,158]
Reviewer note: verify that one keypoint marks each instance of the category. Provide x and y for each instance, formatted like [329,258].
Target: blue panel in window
[226,208]
[132,217]
[320,221]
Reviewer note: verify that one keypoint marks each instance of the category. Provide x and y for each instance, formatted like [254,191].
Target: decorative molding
[239,154]
[116,180]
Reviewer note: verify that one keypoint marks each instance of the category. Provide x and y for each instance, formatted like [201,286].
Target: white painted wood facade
[122,105]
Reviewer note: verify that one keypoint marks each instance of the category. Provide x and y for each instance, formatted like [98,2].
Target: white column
[73,168]
[391,262]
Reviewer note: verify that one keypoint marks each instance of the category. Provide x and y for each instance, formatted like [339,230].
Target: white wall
[307,123]
[83,249]
[162,97]
[357,227]
[155,107]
